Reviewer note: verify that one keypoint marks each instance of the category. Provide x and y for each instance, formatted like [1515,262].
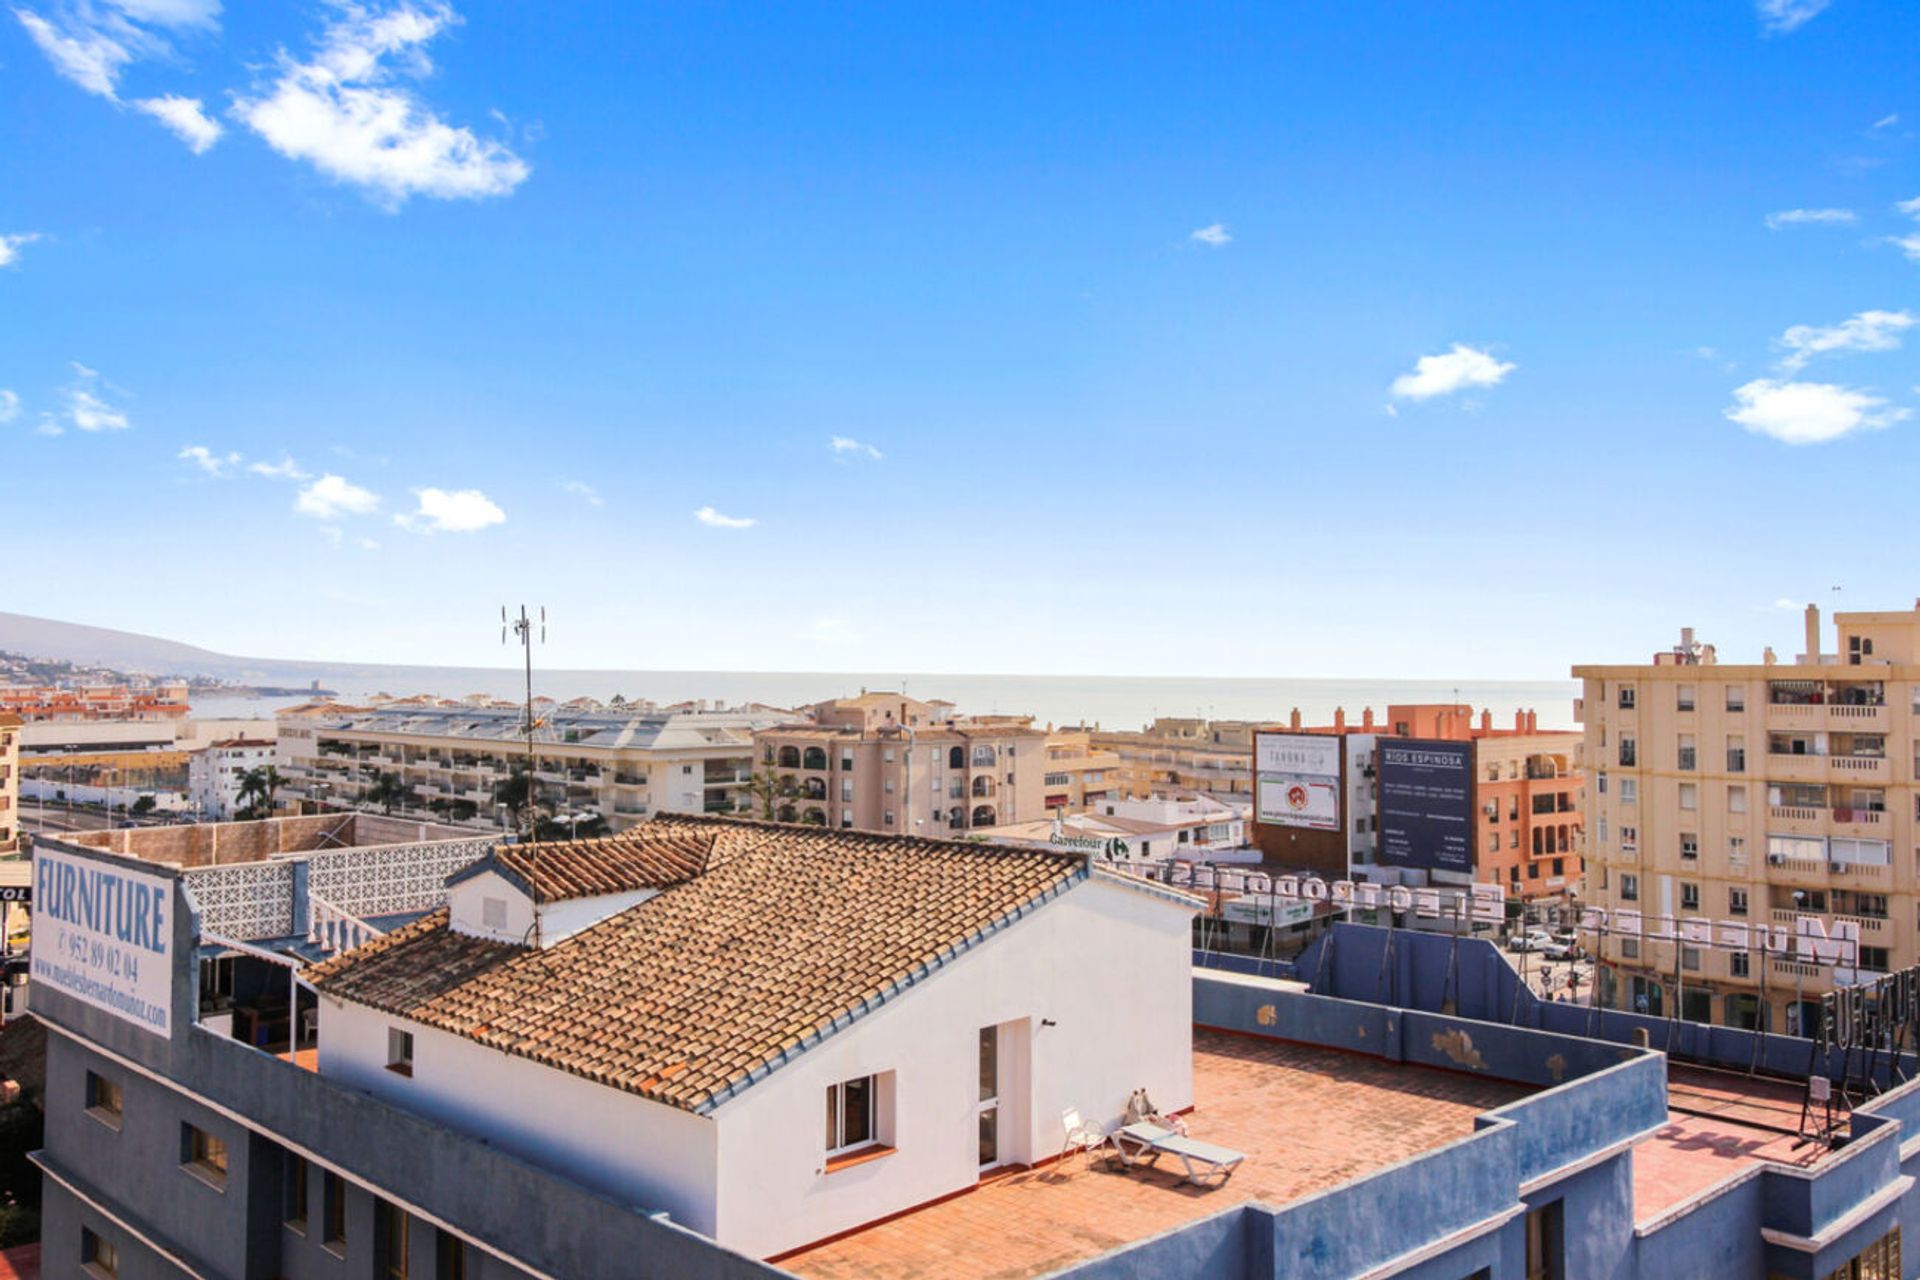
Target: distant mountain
[127,650]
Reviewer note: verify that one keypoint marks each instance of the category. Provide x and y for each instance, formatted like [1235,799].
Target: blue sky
[1345,340]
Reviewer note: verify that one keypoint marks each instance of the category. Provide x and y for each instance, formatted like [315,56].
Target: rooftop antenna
[522,628]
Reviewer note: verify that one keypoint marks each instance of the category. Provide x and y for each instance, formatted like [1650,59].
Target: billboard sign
[1297,780]
[1426,804]
[104,935]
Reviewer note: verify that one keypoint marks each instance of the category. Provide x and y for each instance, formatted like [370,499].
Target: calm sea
[1112,702]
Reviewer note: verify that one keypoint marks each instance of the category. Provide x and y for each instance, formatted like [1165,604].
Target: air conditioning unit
[1838,868]
[1776,859]
[1490,809]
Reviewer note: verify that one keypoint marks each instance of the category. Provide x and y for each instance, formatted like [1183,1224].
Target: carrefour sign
[104,935]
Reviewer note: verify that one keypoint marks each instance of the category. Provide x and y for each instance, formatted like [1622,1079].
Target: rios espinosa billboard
[1426,804]
[1297,780]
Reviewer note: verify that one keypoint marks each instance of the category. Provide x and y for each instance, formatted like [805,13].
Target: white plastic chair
[1080,1136]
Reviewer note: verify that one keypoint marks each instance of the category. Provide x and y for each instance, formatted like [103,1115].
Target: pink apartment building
[887,762]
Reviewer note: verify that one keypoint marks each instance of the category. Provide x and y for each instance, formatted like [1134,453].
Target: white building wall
[655,1156]
[1108,965]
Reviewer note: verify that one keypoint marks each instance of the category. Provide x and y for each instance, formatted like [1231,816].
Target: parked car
[1531,940]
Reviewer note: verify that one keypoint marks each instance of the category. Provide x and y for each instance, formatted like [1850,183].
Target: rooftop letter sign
[1807,941]
[104,935]
[1483,903]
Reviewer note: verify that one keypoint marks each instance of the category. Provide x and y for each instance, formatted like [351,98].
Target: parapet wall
[209,844]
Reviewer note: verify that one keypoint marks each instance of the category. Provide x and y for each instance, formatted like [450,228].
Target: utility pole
[522,628]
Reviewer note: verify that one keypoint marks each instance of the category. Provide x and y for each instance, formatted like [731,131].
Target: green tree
[257,789]
[387,790]
[142,806]
[765,790]
[515,792]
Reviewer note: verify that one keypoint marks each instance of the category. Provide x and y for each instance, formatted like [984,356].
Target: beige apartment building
[1756,795]
[887,762]
[1182,754]
[10,725]
[1079,774]
[448,759]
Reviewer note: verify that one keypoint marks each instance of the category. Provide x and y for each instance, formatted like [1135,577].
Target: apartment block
[449,760]
[886,762]
[1773,794]
[1183,754]
[216,772]
[1079,775]
[9,782]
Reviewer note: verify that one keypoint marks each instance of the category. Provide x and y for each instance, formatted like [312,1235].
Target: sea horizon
[1122,702]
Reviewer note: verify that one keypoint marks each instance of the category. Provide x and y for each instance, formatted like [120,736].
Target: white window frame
[837,1144]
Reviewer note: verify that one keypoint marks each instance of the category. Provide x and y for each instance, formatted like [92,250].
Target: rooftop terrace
[1720,1123]
[1307,1118]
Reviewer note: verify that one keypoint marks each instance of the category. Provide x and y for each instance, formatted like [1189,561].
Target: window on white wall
[493,913]
[851,1107]
[400,1051]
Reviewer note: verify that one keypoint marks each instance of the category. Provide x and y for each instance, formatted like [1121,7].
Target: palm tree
[257,788]
[387,790]
[515,792]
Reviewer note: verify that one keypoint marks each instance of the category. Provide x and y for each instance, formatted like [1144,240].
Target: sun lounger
[1201,1163]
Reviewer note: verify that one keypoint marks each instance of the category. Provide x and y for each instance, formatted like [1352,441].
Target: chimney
[1293,721]
[1533,721]
[1486,721]
[1813,633]
[1366,719]
[1339,719]
[1520,721]
[1768,657]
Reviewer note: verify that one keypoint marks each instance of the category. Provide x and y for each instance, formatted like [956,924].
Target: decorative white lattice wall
[255,899]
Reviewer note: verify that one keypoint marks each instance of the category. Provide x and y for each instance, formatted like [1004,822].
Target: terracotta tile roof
[789,932]
[556,870]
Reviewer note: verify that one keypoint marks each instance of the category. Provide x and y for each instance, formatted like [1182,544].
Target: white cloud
[49,426]
[285,469]
[1787,603]
[10,245]
[1887,121]
[1805,217]
[1909,245]
[171,13]
[581,489]
[9,406]
[451,511]
[83,407]
[92,43]
[186,118]
[207,460]
[1214,234]
[343,112]
[1787,15]
[845,445]
[1867,331]
[835,631]
[714,520]
[1456,370]
[332,496]
[84,54]
[1808,412]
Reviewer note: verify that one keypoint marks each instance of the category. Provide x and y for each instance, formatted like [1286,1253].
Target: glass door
[989,1097]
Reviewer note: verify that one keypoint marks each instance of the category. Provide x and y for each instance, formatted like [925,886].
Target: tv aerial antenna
[524,630]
